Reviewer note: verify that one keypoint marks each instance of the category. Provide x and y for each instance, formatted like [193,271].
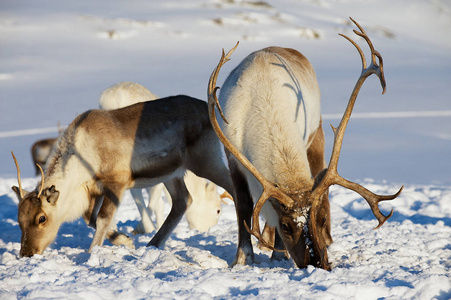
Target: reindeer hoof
[279,256]
[142,228]
[119,239]
[243,257]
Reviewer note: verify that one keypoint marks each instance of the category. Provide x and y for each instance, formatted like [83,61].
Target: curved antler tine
[18,176]
[362,56]
[380,70]
[255,231]
[383,198]
[318,245]
[362,34]
[212,88]
[216,103]
[268,192]
[231,51]
[370,45]
[42,181]
[358,26]
[226,195]
[256,212]
[371,198]
[375,67]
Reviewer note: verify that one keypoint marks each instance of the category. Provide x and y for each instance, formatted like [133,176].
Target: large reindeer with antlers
[271,128]
[103,153]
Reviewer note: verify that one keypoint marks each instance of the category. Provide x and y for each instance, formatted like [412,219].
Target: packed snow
[57,57]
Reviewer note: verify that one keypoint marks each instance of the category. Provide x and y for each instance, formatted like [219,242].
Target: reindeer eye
[42,219]
[218,211]
[285,227]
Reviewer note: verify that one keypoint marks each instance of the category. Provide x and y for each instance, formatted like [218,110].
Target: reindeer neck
[73,198]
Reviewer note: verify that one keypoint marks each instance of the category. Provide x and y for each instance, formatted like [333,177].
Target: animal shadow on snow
[366,214]
[8,215]
[74,235]
[226,250]
[419,219]
[208,242]
[78,235]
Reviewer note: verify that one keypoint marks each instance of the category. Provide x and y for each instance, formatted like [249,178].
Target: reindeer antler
[331,176]
[18,176]
[42,180]
[21,194]
[269,190]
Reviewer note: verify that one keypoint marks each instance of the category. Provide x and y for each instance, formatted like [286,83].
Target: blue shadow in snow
[208,242]
[8,217]
[420,219]
[367,215]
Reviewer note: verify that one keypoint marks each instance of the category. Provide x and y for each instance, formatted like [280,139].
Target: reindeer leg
[268,235]
[180,198]
[205,161]
[156,202]
[244,208]
[90,214]
[232,181]
[145,225]
[278,244]
[273,239]
[111,200]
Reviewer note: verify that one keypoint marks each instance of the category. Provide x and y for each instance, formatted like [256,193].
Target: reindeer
[206,207]
[206,201]
[124,94]
[41,149]
[103,153]
[40,152]
[271,128]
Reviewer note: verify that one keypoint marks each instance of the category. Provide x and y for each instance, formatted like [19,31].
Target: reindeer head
[303,218]
[205,208]
[36,219]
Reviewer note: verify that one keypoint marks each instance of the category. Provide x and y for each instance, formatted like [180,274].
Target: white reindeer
[124,94]
[206,207]
[271,127]
[103,153]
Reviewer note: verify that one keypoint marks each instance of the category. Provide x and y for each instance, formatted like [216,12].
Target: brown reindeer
[103,153]
[271,127]
[206,206]
[40,152]
[41,149]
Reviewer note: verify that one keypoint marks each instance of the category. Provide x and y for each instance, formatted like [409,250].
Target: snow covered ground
[56,57]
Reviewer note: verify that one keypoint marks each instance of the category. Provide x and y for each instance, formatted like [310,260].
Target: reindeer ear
[51,194]
[211,187]
[226,195]
[17,191]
